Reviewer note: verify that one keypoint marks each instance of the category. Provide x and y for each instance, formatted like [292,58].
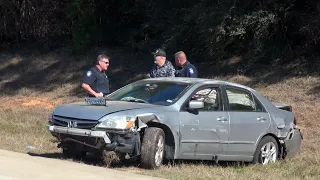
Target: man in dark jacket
[95,81]
[185,68]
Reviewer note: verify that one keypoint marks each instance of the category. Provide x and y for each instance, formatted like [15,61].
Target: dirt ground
[20,166]
[11,103]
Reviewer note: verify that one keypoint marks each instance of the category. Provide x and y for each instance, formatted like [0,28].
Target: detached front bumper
[79,132]
[293,143]
[128,142]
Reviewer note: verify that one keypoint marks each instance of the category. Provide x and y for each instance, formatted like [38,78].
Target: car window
[210,98]
[240,100]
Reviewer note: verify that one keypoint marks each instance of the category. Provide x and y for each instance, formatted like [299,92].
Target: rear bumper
[293,143]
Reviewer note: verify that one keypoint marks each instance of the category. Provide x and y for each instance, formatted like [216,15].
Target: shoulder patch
[191,71]
[89,73]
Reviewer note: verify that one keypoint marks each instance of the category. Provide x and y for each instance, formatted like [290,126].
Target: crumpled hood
[82,110]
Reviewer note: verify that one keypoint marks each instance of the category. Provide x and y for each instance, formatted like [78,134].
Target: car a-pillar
[157,145]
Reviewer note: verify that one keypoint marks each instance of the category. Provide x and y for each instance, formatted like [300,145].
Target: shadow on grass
[47,155]
[314,91]
[45,71]
[91,159]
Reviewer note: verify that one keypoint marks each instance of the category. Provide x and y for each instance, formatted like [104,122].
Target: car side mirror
[193,104]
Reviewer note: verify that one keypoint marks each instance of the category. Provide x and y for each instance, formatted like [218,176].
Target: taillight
[294,121]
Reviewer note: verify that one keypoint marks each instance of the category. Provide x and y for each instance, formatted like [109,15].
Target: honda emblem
[72,124]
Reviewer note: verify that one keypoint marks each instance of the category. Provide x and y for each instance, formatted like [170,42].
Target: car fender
[145,118]
[152,120]
[268,131]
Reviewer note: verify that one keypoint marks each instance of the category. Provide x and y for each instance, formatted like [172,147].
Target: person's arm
[89,79]
[147,75]
[172,71]
[192,72]
[151,73]
[89,90]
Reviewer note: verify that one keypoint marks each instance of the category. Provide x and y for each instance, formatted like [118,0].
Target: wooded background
[258,31]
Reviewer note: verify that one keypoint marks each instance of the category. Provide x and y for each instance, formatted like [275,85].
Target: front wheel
[152,148]
[267,151]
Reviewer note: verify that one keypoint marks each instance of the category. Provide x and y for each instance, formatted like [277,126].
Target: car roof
[198,80]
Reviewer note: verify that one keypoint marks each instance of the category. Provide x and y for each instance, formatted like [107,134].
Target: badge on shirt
[89,73]
[191,71]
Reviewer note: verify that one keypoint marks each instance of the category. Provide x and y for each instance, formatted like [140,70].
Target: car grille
[73,122]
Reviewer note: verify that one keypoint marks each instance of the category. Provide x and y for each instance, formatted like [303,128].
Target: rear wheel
[267,151]
[152,148]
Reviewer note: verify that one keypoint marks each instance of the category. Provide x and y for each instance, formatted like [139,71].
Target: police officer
[162,67]
[185,68]
[95,81]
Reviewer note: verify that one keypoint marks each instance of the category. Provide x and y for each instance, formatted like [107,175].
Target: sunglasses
[105,62]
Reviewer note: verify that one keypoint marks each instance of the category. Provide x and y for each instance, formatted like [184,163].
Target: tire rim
[268,153]
[159,151]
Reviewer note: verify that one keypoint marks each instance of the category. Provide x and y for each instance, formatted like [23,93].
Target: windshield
[162,93]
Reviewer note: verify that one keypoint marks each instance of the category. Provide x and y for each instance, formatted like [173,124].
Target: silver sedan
[179,118]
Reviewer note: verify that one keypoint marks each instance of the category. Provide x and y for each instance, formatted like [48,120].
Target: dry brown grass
[21,127]
[23,122]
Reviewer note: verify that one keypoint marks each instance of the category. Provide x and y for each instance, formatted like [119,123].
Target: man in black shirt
[185,68]
[95,81]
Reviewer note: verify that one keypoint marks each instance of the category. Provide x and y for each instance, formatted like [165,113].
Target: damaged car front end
[111,133]
[115,124]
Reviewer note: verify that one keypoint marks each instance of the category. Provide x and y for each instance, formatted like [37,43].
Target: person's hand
[147,75]
[99,94]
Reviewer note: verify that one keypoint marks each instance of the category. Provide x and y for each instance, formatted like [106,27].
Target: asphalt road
[19,166]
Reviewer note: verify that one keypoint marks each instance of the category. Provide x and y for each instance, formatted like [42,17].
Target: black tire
[149,148]
[258,159]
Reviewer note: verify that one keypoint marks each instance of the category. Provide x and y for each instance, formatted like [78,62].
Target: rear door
[248,121]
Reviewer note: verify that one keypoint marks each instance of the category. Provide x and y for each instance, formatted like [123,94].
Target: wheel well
[278,142]
[169,139]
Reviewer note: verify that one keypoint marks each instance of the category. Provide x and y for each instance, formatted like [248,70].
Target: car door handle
[222,119]
[261,119]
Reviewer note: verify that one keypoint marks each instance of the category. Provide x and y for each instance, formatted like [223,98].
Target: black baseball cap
[159,52]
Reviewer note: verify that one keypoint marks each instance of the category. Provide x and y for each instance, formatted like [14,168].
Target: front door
[248,121]
[203,129]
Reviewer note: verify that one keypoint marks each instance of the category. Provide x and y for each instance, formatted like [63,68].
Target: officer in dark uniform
[185,68]
[95,81]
